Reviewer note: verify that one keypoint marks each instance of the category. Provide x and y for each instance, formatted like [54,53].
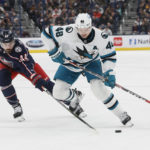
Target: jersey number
[59,32]
[109,45]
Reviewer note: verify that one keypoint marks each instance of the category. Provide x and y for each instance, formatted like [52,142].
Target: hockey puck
[118,131]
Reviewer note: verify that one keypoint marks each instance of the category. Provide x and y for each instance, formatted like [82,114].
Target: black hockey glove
[38,81]
[42,84]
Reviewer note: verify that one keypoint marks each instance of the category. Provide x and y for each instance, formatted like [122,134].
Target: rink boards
[121,43]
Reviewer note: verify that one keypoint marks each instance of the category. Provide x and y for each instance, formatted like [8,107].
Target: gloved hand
[111,79]
[57,55]
[42,84]
[60,58]
[37,81]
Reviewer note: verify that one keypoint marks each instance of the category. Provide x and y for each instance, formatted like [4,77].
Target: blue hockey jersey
[18,59]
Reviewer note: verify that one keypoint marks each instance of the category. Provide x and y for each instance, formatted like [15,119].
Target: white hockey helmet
[83,20]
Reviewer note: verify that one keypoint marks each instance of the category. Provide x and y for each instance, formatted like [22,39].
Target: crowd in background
[8,16]
[106,14]
[61,12]
[142,23]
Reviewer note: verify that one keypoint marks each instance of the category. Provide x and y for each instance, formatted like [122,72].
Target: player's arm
[108,57]
[33,71]
[54,49]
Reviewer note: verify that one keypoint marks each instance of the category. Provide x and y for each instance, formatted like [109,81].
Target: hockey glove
[37,81]
[111,79]
[57,55]
[49,86]
[41,84]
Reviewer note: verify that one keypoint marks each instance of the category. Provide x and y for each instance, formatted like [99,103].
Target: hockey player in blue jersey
[15,59]
[87,46]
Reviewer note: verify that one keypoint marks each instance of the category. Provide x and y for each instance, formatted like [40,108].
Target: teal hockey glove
[111,79]
[57,55]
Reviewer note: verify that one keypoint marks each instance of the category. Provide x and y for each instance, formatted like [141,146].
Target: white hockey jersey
[79,50]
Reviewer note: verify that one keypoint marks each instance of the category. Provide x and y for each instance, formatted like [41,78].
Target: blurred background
[27,18]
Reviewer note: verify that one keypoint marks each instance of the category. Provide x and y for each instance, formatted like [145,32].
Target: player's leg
[62,90]
[9,92]
[105,95]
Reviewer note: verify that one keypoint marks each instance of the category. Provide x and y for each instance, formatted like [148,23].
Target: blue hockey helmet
[6,36]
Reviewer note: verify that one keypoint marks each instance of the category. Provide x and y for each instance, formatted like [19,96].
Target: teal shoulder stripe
[53,37]
[47,35]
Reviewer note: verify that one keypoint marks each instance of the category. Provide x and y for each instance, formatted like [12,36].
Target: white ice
[48,126]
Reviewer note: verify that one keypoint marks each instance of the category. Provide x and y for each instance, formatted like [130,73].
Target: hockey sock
[70,97]
[112,104]
[10,94]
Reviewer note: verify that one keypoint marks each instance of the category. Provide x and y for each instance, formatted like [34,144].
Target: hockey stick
[63,105]
[105,79]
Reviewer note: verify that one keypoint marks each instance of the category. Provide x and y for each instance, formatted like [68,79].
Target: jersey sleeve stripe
[46,34]
[52,35]
[110,59]
[108,55]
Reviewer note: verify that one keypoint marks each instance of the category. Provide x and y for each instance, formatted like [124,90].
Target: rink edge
[117,49]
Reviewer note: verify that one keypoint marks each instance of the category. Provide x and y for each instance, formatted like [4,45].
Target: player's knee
[99,89]
[61,90]
[5,77]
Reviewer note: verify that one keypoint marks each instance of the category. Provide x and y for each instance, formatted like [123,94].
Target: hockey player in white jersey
[89,47]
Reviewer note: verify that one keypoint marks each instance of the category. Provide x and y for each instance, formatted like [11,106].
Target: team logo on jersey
[83,53]
[69,29]
[104,35]
[18,49]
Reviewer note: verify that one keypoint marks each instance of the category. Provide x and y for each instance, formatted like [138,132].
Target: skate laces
[77,98]
[79,94]
[17,109]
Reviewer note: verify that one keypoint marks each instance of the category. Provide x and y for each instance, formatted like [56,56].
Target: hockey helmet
[6,36]
[83,20]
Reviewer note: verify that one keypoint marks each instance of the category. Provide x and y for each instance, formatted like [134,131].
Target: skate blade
[83,115]
[129,124]
[20,119]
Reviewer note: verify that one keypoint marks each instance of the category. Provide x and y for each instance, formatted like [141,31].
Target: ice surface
[48,126]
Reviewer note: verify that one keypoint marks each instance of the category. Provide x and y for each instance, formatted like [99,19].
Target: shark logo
[83,53]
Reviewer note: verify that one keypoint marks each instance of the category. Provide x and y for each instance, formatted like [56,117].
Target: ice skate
[78,111]
[126,119]
[74,105]
[18,113]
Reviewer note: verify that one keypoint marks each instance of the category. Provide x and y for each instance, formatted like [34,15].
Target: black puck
[118,131]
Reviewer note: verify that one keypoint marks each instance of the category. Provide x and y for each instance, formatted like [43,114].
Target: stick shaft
[104,79]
